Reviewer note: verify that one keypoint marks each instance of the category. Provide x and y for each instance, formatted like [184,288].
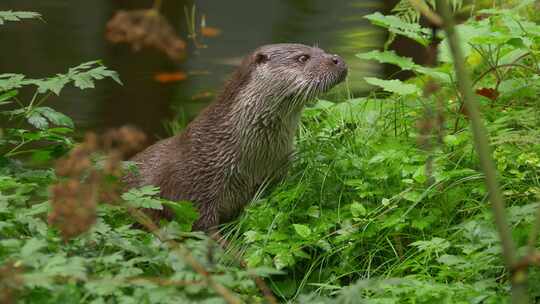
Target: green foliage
[397,26]
[405,63]
[143,198]
[111,262]
[146,197]
[384,202]
[50,126]
[393,86]
[16,16]
[366,204]
[406,11]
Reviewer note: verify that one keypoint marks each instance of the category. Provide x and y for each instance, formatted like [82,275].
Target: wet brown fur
[244,138]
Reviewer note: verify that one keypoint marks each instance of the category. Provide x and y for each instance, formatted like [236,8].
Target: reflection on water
[73,32]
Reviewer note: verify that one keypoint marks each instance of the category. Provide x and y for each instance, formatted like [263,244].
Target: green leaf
[466,33]
[53,84]
[60,131]
[143,197]
[83,76]
[436,244]
[255,258]
[264,271]
[39,117]
[4,98]
[302,230]
[251,236]
[398,26]
[283,259]
[314,211]
[31,247]
[11,81]
[394,86]
[146,190]
[85,80]
[60,265]
[185,213]
[17,16]
[391,57]
[412,196]
[37,120]
[451,260]
[358,210]
[55,117]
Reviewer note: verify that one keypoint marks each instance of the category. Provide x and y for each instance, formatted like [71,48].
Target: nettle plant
[500,46]
[67,233]
[389,185]
[17,16]
[30,123]
[49,125]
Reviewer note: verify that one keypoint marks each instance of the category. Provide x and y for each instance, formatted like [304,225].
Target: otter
[244,139]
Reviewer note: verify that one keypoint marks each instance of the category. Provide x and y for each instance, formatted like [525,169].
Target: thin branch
[519,289]
[144,220]
[261,284]
[157,5]
[427,12]
[527,261]
[493,68]
[533,236]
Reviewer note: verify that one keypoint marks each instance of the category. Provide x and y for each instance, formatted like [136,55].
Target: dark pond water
[73,32]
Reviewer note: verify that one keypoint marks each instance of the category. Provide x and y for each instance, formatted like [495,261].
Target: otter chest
[263,154]
[266,147]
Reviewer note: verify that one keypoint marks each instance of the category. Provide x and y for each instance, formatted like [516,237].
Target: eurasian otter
[244,138]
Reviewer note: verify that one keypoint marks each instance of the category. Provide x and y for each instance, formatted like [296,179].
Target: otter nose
[336,60]
[339,63]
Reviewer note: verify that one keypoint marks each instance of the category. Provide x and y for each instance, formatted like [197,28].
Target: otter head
[286,76]
[297,71]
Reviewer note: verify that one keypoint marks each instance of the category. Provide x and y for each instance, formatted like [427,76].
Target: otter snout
[339,65]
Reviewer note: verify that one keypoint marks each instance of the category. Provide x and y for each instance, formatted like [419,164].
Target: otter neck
[265,125]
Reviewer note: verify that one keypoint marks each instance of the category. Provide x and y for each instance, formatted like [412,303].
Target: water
[73,32]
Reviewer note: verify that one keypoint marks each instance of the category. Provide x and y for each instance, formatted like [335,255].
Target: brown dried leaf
[170,77]
[208,31]
[74,199]
[10,281]
[145,28]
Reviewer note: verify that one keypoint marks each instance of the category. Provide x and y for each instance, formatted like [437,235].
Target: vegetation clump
[385,202]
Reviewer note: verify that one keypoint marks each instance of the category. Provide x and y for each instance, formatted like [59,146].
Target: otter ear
[261,58]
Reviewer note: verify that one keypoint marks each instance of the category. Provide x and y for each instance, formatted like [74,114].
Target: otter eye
[303,58]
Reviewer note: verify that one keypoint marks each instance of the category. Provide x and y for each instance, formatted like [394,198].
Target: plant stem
[535,229]
[157,5]
[424,9]
[518,279]
[493,68]
[144,220]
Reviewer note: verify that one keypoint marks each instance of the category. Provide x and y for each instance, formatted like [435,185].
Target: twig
[141,280]
[153,228]
[157,5]
[533,236]
[532,258]
[491,69]
[427,12]
[265,290]
[191,19]
[519,279]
